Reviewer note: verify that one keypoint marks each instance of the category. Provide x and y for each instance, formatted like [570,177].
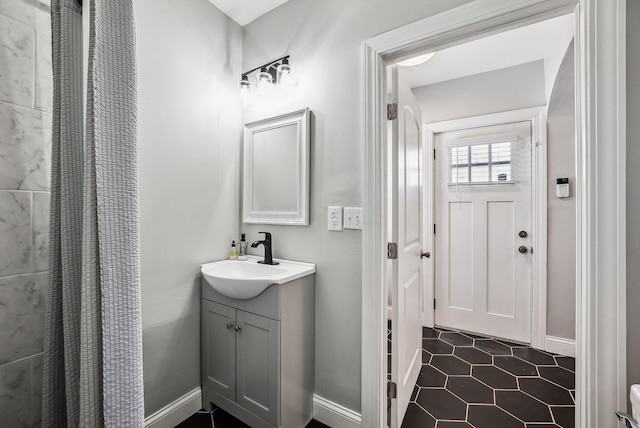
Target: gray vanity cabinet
[258,354]
[219,344]
[258,365]
[243,355]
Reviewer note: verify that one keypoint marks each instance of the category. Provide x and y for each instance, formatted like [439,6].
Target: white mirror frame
[299,217]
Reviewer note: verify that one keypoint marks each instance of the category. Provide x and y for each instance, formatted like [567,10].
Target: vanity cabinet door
[219,345]
[258,366]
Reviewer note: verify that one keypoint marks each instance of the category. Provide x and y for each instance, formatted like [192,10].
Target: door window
[481,163]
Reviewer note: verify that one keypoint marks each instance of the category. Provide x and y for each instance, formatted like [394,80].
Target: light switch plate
[353,218]
[334,218]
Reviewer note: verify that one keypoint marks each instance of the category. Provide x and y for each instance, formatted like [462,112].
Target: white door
[406,230]
[483,226]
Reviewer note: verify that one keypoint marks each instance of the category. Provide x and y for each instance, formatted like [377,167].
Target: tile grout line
[522,359]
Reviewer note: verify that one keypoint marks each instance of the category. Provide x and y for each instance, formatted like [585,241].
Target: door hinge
[434,228]
[392,111]
[434,304]
[392,389]
[392,250]
[434,153]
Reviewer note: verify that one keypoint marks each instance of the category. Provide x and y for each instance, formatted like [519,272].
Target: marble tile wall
[26,96]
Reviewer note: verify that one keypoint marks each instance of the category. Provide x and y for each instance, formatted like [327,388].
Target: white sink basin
[245,279]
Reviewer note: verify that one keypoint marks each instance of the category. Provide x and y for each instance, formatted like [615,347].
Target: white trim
[562,346]
[465,22]
[334,415]
[174,413]
[539,230]
[374,294]
[537,117]
[389,312]
[428,239]
[601,263]
[600,190]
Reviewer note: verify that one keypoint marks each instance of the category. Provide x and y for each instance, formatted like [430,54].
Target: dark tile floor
[218,418]
[474,381]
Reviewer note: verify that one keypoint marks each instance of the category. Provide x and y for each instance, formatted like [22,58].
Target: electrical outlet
[353,218]
[334,218]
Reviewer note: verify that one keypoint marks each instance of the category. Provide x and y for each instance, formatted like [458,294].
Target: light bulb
[244,83]
[284,68]
[264,76]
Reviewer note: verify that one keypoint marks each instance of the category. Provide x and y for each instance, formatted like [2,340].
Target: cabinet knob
[238,328]
[229,325]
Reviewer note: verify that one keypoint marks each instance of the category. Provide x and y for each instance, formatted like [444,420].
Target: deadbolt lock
[522,234]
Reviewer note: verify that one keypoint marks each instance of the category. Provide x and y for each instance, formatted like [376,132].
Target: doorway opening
[483,211]
[470,23]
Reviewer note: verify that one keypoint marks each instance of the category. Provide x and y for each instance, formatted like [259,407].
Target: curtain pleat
[93,332]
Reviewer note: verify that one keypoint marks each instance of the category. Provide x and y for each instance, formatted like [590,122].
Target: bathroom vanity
[258,352]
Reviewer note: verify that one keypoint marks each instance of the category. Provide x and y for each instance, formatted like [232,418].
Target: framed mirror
[275,182]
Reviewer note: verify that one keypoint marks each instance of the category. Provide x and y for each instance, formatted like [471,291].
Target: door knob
[522,234]
[238,328]
[229,325]
[523,249]
[424,254]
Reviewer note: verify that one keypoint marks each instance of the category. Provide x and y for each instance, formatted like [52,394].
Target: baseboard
[559,345]
[334,415]
[178,411]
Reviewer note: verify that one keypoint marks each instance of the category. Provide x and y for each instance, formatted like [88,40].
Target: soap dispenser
[243,248]
[233,253]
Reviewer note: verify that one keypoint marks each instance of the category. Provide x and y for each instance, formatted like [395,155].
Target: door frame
[601,171]
[537,117]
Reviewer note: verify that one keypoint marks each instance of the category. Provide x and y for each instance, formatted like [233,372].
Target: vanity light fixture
[264,75]
[284,68]
[244,83]
[270,72]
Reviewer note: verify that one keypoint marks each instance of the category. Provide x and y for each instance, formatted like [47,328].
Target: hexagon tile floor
[472,381]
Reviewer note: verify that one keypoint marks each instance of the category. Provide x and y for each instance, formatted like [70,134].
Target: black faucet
[268,257]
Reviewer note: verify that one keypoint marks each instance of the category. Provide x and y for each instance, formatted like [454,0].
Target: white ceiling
[245,11]
[547,40]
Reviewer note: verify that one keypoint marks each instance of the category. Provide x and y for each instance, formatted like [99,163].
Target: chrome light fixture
[284,68]
[270,73]
[244,83]
[264,75]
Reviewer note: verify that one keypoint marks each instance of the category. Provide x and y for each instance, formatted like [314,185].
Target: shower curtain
[93,333]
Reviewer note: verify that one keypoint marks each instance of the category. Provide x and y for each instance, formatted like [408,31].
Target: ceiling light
[271,72]
[417,60]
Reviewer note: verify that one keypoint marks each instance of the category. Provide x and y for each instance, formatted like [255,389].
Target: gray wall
[189,65]
[633,191]
[25,155]
[561,213]
[323,39]
[510,88]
